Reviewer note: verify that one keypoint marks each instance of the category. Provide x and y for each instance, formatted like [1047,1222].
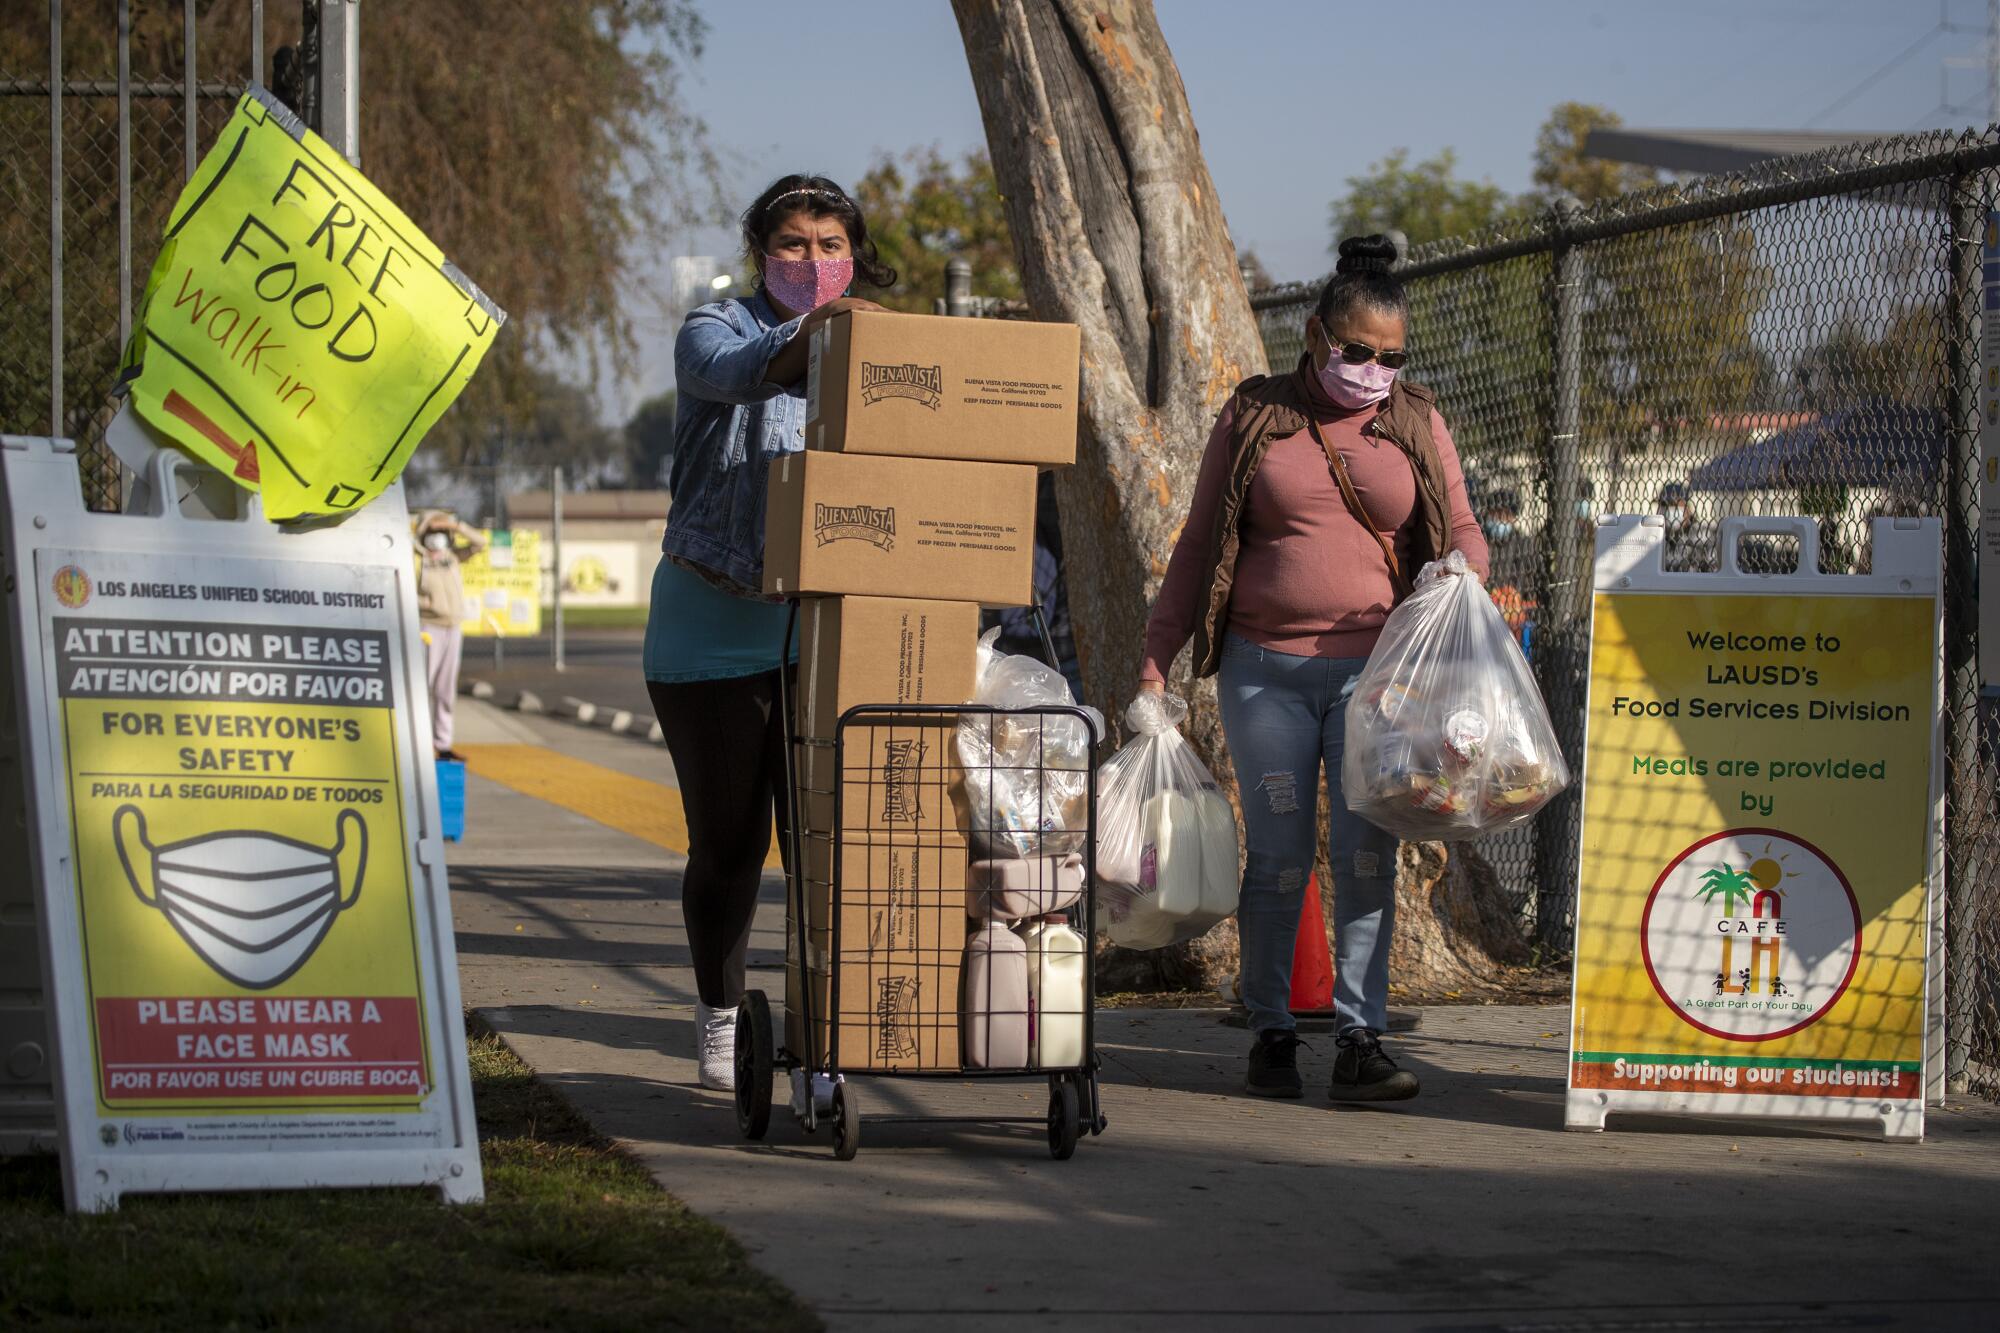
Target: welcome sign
[1761,813]
[299,333]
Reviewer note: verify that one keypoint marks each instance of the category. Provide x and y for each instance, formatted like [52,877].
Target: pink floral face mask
[1354,386]
[804,285]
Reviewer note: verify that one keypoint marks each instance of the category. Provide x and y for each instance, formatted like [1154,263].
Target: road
[602,666]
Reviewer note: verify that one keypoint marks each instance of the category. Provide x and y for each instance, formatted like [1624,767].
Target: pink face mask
[1355,386]
[804,285]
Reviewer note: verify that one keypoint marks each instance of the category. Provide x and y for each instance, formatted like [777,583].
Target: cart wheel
[846,1124]
[1063,1117]
[753,1065]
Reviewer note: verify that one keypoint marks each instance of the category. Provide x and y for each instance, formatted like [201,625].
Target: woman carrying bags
[712,641]
[1321,494]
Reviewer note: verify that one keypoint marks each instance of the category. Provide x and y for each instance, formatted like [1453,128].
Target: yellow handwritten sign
[299,333]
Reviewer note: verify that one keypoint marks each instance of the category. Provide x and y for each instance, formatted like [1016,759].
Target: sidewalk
[1467,1208]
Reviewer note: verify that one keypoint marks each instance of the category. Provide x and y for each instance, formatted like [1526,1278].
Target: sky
[1292,97]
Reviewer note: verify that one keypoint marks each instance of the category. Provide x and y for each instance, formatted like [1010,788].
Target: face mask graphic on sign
[254,906]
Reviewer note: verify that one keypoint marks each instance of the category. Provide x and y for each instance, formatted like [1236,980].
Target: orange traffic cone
[1312,969]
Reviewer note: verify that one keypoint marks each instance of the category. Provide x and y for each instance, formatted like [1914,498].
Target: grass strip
[574,1235]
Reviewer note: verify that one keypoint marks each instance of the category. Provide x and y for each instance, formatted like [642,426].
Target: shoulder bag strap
[1338,466]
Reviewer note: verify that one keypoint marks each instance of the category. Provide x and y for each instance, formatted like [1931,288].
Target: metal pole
[187,83]
[340,76]
[1560,649]
[958,285]
[55,220]
[257,41]
[555,555]
[1961,619]
[124,172]
[1993,62]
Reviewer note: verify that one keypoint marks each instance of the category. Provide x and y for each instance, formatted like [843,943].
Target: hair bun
[1366,254]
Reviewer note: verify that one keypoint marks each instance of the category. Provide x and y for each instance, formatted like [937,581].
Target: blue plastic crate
[451,798]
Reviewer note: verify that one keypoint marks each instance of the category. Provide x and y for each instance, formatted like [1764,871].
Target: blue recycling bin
[451,798]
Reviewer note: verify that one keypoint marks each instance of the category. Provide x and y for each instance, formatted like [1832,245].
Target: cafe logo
[901,761]
[1751,934]
[71,586]
[837,523]
[920,384]
[896,1018]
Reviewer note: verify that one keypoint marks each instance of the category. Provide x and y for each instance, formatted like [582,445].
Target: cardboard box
[854,524]
[901,781]
[928,386]
[882,650]
[901,943]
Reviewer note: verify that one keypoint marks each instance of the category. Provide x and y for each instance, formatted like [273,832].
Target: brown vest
[1271,407]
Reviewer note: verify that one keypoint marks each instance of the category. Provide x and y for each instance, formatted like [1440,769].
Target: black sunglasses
[1360,354]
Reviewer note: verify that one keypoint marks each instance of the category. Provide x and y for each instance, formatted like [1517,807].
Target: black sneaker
[1274,1065]
[1362,1072]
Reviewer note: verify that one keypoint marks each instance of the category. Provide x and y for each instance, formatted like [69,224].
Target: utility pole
[555,556]
[1993,62]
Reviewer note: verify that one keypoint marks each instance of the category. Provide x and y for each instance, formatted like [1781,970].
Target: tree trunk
[1119,232]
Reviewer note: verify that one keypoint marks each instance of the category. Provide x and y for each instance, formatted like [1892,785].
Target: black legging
[727,740]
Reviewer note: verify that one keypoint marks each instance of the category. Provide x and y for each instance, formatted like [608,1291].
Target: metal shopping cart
[892,847]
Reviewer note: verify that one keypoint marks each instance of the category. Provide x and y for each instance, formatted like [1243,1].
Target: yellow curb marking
[649,811]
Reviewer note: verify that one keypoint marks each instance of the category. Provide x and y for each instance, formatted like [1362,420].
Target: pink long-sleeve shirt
[1309,579]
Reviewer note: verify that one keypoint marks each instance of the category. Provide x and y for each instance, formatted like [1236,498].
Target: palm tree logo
[1727,884]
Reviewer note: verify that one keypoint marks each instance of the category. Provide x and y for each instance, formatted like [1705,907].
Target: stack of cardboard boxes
[912,507]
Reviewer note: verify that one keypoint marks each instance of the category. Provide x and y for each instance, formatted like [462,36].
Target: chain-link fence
[1799,339]
[98,132]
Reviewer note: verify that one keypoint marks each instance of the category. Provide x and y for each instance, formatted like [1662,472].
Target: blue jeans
[1284,716]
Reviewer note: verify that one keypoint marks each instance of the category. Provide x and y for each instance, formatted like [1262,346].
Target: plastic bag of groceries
[1166,836]
[1027,776]
[1447,736]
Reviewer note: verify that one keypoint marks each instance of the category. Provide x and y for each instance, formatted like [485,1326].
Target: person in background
[713,643]
[1017,623]
[1690,545]
[443,543]
[1512,559]
[1321,495]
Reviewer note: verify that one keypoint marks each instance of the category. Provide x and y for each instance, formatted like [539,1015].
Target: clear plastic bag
[1027,777]
[1447,736]
[1166,835]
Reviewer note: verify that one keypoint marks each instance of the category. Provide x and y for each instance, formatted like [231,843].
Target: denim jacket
[728,426]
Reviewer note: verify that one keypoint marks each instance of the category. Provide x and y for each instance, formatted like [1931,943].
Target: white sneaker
[715,1046]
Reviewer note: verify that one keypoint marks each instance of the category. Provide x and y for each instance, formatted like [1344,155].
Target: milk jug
[1220,879]
[1055,985]
[1170,862]
[995,1014]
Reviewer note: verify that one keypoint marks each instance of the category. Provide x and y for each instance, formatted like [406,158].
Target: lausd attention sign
[298,332]
[247,963]
[1761,817]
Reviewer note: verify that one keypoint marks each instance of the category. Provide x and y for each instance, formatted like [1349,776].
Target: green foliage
[540,153]
[1426,201]
[923,211]
[1903,362]
[1668,316]
[574,1234]
[649,442]
[1562,169]
[553,421]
